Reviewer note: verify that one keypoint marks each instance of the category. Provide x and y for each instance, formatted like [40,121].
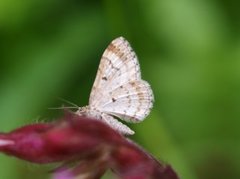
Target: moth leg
[118,126]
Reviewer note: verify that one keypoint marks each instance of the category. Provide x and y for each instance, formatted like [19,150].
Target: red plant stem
[91,144]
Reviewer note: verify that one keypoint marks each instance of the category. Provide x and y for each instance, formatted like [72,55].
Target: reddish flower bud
[85,147]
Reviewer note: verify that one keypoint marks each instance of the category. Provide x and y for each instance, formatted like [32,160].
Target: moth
[118,91]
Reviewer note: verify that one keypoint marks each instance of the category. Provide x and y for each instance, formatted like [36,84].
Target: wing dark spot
[104,78]
[116,68]
[113,99]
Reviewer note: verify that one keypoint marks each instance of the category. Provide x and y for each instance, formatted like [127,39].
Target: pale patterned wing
[118,66]
[131,102]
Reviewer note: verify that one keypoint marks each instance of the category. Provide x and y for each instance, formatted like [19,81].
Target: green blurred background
[189,51]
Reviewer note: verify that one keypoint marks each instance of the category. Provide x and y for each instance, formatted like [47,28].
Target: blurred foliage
[189,51]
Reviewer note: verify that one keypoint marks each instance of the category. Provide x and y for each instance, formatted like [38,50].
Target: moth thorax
[89,112]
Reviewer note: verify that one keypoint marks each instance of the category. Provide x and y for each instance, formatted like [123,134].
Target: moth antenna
[69,102]
[65,107]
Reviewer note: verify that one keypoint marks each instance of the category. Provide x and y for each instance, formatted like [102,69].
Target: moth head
[83,111]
